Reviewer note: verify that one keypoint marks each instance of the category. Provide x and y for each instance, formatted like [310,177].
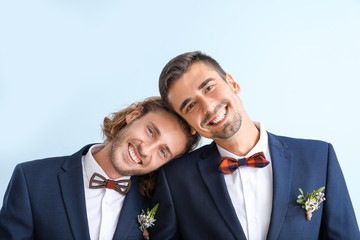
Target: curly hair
[117,121]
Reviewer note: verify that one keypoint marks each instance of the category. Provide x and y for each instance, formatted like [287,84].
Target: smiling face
[207,102]
[146,143]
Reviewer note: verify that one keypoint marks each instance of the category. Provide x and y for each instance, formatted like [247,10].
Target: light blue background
[64,65]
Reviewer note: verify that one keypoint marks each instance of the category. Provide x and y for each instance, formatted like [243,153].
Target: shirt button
[253,219]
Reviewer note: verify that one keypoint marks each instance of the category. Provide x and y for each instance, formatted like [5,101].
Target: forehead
[197,71]
[190,82]
[160,117]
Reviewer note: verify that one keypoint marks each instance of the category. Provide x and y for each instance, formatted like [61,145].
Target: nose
[147,148]
[207,104]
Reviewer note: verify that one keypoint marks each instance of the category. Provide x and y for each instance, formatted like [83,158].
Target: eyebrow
[184,103]
[201,86]
[157,130]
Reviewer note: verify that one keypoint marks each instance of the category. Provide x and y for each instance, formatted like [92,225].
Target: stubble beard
[117,161]
[229,129]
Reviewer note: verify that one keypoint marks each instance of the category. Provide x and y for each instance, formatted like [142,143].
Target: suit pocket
[294,223]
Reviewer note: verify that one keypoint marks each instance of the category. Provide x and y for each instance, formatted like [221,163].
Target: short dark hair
[177,66]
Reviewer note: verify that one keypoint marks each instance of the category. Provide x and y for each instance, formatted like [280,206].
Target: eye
[190,106]
[150,131]
[162,152]
[208,88]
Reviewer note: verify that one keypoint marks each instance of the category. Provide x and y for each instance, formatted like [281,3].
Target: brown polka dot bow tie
[99,181]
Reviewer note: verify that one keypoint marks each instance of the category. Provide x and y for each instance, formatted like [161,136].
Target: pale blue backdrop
[64,65]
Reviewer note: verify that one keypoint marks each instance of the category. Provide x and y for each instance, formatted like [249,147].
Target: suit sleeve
[338,221]
[165,227]
[15,215]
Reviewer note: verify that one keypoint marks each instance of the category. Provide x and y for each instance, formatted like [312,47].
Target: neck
[243,141]
[103,158]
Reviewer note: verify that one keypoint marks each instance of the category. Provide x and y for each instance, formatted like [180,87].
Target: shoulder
[297,143]
[51,165]
[43,163]
[195,155]
[190,160]
[302,150]
[36,171]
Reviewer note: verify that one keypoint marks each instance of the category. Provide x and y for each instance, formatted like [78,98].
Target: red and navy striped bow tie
[121,186]
[228,165]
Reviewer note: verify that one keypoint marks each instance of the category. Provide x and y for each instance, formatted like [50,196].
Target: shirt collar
[261,145]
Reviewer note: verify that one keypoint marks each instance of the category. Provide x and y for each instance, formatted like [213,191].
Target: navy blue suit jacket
[45,199]
[195,203]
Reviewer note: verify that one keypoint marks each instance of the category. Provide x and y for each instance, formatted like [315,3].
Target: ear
[234,85]
[132,115]
[193,131]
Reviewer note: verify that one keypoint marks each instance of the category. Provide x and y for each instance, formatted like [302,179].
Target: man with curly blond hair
[99,191]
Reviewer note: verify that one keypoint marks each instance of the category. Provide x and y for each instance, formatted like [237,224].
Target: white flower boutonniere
[311,201]
[146,220]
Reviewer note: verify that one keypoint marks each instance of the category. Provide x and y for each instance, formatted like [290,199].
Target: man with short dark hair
[98,192]
[244,185]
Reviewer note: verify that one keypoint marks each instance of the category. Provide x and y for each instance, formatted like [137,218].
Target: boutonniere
[146,220]
[311,201]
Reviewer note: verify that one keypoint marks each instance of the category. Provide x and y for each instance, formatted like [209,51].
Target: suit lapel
[72,187]
[215,183]
[132,207]
[282,177]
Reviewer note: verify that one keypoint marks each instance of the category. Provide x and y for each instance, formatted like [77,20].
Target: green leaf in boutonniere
[311,201]
[146,220]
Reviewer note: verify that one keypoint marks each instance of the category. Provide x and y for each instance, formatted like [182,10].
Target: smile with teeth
[133,155]
[220,117]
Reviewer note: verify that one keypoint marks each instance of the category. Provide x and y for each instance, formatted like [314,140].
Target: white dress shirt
[103,205]
[251,190]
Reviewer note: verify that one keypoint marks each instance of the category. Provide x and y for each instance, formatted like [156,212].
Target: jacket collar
[215,182]
[72,188]
[282,177]
[133,204]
